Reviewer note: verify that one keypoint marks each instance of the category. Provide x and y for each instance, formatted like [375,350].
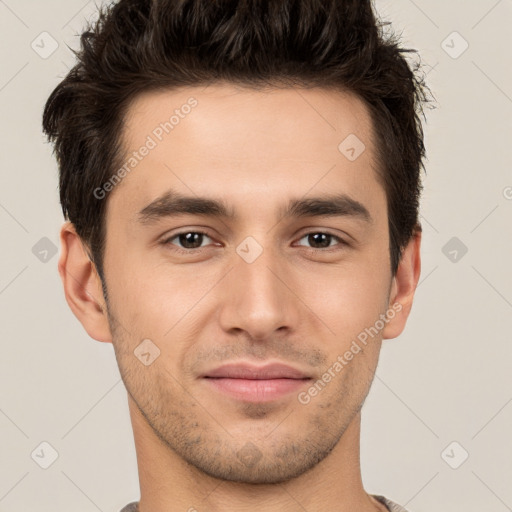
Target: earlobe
[403,287]
[82,285]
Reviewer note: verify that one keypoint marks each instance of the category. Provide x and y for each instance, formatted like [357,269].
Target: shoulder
[131,507]
[392,506]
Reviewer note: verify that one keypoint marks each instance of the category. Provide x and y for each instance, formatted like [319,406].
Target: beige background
[446,379]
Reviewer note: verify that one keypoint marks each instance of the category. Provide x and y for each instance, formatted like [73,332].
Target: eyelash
[167,242]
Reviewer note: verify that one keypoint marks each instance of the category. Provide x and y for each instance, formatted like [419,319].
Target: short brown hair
[141,45]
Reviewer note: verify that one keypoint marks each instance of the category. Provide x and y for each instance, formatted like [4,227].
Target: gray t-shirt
[393,507]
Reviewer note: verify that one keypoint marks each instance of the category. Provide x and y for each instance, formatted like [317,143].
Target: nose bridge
[257,299]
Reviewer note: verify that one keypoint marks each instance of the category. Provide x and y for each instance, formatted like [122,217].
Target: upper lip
[249,371]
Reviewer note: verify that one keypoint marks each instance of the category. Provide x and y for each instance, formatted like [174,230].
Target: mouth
[251,383]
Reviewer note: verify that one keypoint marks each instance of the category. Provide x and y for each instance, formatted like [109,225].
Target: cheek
[133,297]
[348,299]
[155,300]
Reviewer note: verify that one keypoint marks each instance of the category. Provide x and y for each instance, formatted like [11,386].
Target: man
[241,182]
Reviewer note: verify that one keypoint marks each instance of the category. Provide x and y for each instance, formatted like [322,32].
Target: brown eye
[321,240]
[187,240]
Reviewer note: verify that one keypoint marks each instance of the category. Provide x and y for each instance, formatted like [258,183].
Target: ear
[403,287]
[82,285]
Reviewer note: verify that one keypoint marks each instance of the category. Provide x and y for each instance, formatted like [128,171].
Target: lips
[252,383]
[246,371]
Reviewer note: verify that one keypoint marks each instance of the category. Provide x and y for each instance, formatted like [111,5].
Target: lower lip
[254,390]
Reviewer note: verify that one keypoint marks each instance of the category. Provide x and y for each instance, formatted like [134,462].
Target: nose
[260,298]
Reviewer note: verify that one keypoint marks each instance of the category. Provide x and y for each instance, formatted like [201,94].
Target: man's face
[260,287]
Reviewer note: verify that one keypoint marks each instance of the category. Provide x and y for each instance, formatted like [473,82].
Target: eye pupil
[188,238]
[324,241]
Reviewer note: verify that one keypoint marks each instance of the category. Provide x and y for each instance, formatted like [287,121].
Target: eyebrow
[173,204]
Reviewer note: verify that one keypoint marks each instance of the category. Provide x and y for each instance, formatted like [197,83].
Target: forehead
[224,140]
[248,115]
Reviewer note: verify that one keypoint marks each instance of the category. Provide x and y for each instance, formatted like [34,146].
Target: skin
[296,303]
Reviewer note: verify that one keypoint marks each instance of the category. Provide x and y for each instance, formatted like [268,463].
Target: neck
[170,484]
